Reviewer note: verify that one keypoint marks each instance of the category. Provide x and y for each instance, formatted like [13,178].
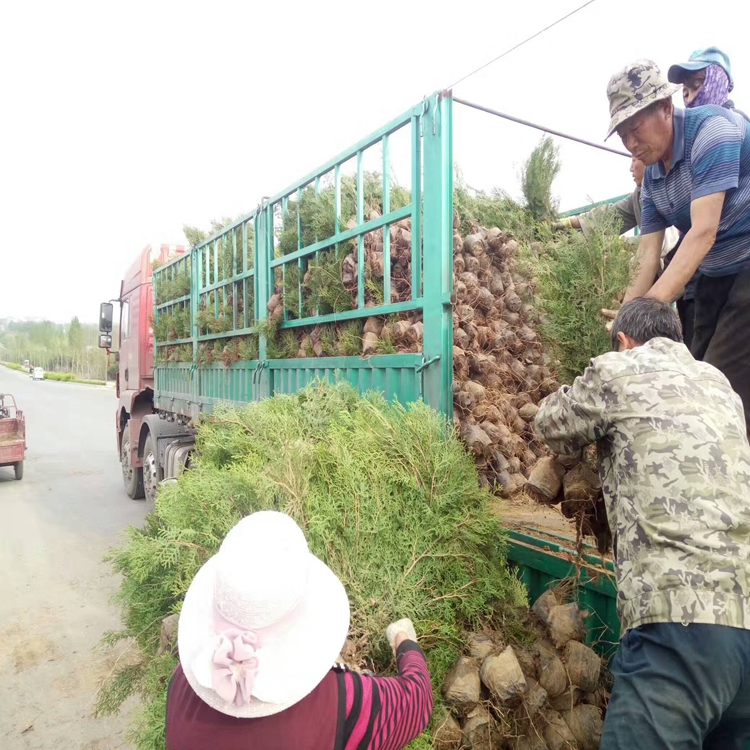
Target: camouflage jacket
[675,470]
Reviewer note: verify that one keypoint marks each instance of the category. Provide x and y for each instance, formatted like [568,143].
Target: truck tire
[152,472]
[132,477]
[18,469]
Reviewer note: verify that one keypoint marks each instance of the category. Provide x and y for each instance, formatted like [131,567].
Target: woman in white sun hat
[260,629]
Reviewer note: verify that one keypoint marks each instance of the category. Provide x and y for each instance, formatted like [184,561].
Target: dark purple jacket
[346,711]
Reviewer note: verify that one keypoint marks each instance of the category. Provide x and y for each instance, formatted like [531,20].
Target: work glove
[562,226]
[402,626]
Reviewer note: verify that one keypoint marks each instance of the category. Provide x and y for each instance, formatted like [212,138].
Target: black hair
[644,319]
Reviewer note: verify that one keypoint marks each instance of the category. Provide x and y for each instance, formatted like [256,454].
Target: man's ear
[626,342]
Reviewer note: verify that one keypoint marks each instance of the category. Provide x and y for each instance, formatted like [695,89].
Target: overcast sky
[122,122]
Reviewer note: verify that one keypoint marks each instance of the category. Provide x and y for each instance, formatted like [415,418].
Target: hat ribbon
[234,665]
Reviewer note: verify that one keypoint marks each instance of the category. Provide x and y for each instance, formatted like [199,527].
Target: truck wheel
[152,473]
[19,470]
[132,477]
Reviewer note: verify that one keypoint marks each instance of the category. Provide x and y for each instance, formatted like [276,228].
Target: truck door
[128,352]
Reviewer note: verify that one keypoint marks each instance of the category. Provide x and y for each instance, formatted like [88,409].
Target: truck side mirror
[106,313]
[105,341]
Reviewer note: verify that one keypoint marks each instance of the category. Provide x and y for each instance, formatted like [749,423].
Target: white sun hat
[263,620]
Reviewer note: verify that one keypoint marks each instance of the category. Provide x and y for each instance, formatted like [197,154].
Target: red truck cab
[135,376]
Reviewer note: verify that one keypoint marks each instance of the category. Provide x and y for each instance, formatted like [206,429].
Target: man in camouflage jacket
[675,470]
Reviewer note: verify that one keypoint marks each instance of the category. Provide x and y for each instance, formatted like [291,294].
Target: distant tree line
[57,347]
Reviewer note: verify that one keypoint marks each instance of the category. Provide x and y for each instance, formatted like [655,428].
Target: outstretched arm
[387,713]
[705,214]
[649,264]
[575,416]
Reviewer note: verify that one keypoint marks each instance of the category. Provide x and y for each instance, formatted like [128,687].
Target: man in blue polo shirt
[697,179]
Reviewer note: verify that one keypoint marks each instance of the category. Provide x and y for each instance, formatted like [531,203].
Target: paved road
[55,525]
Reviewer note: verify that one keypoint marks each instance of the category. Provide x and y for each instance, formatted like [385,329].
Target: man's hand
[705,214]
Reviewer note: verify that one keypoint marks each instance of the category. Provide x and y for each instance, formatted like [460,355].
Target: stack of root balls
[547,697]
[500,368]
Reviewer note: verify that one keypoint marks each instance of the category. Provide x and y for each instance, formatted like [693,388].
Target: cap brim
[302,648]
[678,73]
[625,114]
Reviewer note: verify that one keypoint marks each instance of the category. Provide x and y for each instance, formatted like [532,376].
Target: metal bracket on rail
[263,364]
[425,110]
[426,363]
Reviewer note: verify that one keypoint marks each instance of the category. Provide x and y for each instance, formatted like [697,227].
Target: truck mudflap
[177,457]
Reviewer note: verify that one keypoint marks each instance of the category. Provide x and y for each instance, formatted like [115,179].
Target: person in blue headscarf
[706,78]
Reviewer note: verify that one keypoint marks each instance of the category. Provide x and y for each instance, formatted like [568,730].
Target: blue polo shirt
[711,154]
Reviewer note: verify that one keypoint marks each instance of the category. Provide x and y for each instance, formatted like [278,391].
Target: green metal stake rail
[592,206]
[234,274]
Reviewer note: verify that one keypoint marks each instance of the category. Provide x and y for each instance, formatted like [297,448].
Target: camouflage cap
[634,88]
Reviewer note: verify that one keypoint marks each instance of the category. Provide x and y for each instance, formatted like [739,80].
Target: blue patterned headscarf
[715,89]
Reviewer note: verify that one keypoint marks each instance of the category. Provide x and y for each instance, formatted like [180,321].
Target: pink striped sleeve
[361,694]
[387,713]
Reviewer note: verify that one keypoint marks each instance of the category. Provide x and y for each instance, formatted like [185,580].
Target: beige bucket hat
[263,620]
[634,88]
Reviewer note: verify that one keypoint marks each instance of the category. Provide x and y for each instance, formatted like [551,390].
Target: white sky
[122,122]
